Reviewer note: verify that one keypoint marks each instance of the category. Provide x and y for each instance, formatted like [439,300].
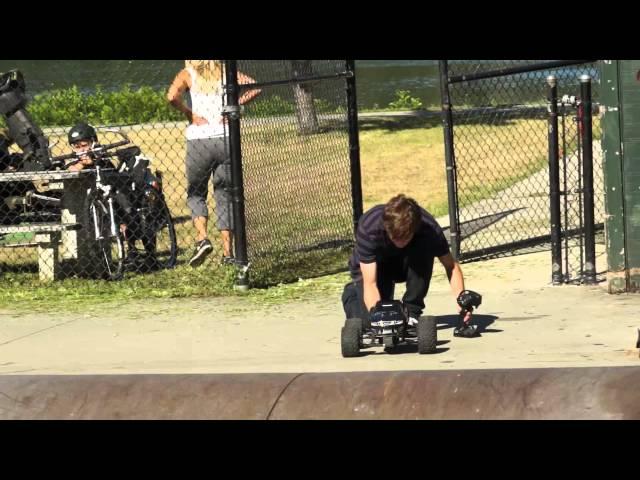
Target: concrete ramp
[562,393]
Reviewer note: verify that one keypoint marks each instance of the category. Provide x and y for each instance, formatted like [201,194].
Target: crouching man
[395,243]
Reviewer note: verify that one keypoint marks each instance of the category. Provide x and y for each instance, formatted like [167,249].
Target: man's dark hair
[401,217]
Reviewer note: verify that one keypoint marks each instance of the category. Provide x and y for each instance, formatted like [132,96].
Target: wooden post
[48,265]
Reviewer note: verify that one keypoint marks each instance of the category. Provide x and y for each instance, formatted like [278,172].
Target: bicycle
[120,208]
[150,220]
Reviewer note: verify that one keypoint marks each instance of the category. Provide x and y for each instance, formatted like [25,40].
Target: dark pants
[413,268]
[207,157]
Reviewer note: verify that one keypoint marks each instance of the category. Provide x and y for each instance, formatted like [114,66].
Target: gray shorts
[208,158]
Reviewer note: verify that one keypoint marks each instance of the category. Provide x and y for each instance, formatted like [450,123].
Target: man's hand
[467,315]
[84,162]
[468,300]
[375,315]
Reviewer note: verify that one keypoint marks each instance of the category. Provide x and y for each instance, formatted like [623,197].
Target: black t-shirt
[373,243]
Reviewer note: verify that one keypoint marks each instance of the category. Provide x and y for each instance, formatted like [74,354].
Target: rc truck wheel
[427,335]
[359,324]
[356,322]
[350,339]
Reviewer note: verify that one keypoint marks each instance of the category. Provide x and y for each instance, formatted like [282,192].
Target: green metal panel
[630,100]
[613,167]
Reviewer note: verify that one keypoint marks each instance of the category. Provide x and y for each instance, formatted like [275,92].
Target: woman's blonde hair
[209,73]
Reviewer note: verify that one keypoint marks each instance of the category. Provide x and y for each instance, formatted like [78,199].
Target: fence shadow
[395,123]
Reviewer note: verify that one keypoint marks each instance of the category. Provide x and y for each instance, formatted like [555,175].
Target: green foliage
[142,105]
[404,101]
[275,105]
[65,107]
[269,106]
[323,106]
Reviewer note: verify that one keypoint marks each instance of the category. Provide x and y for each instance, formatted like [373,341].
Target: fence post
[354,143]
[452,190]
[237,181]
[554,182]
[587,166]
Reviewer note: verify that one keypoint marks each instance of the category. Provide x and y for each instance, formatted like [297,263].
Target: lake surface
[377,80]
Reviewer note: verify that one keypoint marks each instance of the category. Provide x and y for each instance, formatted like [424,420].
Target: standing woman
[207,150]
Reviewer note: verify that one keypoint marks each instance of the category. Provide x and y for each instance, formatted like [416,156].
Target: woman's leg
[199,166]
[222,194]
[227,243]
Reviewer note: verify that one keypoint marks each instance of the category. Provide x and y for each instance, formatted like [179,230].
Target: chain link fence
[131,217]
[297,178]
[500,177]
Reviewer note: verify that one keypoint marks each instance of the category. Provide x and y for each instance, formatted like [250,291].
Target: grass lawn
[397,155]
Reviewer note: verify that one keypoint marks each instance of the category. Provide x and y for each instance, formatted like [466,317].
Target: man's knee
[351,301]
[349,293]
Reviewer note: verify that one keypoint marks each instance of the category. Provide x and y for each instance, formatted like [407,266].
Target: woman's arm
[180,84]
[249,95]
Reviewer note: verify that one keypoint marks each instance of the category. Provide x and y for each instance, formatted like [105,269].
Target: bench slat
[39,228]
[43,175]
[18,245]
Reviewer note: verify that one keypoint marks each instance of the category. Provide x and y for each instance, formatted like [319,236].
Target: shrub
[405,101]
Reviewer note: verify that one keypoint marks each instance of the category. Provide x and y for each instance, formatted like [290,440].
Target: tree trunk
[303,94]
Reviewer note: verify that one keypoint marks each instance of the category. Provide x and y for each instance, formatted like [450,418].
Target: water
[377,80]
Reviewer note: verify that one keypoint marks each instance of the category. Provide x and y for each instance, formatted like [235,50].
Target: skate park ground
[525,323]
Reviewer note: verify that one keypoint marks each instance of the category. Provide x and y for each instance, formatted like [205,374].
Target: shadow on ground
[483,321]
[404,349]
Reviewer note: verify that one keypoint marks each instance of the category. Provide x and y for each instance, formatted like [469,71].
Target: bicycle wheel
[159,239]
[110,247]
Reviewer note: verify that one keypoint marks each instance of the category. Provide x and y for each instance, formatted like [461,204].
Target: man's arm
[456,279]
[370,287]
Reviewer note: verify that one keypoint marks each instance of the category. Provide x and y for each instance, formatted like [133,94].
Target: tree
[303,94]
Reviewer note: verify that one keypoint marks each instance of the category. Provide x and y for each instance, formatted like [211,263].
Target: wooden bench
[78,249]
[47,239]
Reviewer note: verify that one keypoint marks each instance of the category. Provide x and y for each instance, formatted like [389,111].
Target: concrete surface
[527,323]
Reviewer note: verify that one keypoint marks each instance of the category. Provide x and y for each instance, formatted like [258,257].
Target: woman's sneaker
[203,249]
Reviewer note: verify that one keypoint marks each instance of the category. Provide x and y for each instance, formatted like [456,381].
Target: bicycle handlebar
[99,149]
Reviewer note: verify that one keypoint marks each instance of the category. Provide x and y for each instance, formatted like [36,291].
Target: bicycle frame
[106,190]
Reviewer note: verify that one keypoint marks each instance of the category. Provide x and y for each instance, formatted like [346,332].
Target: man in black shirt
[397,242]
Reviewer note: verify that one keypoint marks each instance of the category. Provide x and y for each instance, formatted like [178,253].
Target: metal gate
[496,149]
[571,185]
[296,174]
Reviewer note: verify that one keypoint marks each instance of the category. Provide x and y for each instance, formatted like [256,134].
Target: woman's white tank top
[206,105]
